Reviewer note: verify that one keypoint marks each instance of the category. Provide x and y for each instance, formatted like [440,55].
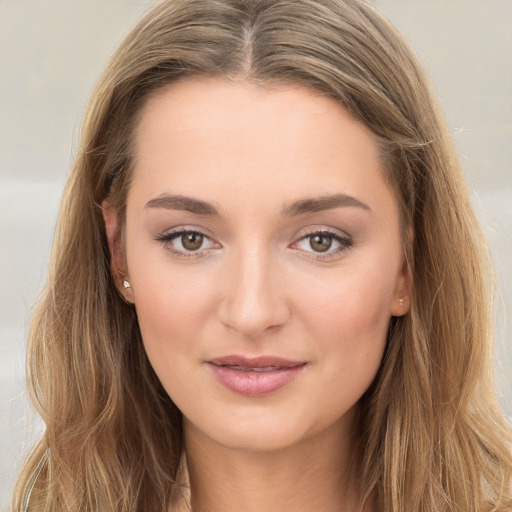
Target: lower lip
[250,383]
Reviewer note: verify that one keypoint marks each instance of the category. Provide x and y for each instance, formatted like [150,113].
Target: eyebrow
[299,207]
[319,204]
[188,204]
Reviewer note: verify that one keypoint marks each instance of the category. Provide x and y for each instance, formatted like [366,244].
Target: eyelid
[167,237]
[343,239]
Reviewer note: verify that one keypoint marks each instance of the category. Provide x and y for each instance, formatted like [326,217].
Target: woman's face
[264,255]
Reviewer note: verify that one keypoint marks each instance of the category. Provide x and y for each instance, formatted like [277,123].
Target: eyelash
[167,238]
[345,242]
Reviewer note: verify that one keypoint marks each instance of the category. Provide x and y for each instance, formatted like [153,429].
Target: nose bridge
[255,299]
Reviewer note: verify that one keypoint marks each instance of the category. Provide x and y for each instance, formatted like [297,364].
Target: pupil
[192,241]
[320,243]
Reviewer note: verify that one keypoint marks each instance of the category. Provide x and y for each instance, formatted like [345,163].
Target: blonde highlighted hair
[432,437]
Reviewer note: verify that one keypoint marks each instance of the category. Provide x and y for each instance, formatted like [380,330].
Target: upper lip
[256,362]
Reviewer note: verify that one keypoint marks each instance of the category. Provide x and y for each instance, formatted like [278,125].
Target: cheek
[173,305]
[351,317]
[172,309]
[359,301]
[354,347]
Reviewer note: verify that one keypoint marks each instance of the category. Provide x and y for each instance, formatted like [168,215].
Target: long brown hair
[432,437]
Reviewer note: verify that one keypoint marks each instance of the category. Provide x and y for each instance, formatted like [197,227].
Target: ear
[403,290]
[117,259]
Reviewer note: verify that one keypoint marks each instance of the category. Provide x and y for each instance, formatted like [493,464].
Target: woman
[268,289]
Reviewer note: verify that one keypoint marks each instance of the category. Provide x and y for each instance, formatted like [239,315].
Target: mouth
[245,369]
[255,376]
[264,363]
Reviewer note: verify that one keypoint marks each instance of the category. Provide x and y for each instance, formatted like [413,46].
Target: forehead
[216,136]
[276,115]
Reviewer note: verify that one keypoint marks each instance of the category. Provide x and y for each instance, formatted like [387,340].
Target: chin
[258,441]
[261,431]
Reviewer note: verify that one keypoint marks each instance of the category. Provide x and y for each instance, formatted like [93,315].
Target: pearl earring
[126,284]
[401,300]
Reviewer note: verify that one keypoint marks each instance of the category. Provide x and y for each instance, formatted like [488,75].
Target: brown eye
[322,245]
[320,242]
[188,243]
[192,241]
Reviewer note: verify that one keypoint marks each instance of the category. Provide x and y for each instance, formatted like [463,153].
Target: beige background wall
[51,54]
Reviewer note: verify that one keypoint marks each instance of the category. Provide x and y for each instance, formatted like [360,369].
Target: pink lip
[255,376]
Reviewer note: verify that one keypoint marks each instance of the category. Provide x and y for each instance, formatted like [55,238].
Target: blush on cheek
[357,319]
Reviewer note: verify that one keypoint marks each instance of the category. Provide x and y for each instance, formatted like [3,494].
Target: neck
[311,476]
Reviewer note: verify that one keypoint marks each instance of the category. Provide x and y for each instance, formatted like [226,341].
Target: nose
[254,298]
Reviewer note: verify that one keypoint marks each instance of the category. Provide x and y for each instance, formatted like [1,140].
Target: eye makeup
[323,244]
[318,244]
[187,243]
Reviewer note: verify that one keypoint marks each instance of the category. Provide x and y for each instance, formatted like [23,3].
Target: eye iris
[320,243]
[192,241]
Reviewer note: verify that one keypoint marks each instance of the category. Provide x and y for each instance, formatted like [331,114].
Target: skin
[258,285]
